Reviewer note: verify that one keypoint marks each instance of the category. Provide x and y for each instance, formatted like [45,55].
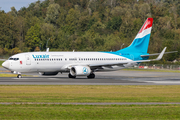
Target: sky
[18,4]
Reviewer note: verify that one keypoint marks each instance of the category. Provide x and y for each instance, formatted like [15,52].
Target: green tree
[115,23]
[47,31]
[33,37]
[72,20]
[52,13]
[14,11]
[5,31]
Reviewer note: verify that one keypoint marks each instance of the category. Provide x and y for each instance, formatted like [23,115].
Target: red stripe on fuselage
[147,24]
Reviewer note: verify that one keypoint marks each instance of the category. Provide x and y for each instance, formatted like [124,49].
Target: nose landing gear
[19,75]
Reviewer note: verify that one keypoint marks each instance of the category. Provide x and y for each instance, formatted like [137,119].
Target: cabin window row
[82,59]
[103,59]
[90,59]
[52,59]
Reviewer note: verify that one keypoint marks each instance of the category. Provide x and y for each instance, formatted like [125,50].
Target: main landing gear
[70,76]
[92,75]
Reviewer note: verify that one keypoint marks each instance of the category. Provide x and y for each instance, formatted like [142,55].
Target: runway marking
[52,78]
[164,82]
[19,78]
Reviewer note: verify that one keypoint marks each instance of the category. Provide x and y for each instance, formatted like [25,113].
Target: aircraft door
[28,60]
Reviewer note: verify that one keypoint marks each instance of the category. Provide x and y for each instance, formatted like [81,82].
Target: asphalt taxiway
[121,77]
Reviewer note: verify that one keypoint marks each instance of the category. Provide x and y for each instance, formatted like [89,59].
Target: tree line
[89,25]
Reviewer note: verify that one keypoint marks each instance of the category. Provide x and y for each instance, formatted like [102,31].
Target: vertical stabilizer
[141,42]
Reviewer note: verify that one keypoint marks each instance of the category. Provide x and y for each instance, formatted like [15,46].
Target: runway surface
[121,77]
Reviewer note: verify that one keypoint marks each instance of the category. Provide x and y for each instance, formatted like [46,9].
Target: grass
[8,75]
[83,93]
[1,63]
[78,93]
[11,75]
[134,112]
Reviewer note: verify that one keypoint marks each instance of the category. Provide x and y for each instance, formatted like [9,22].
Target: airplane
[85,63]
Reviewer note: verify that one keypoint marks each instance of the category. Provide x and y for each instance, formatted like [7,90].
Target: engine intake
[80,71]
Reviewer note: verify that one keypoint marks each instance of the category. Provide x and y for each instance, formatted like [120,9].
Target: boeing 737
[85,63]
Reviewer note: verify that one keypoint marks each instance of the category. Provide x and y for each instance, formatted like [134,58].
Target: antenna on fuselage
[47,49]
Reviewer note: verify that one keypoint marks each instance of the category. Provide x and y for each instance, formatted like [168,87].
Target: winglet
[161,54]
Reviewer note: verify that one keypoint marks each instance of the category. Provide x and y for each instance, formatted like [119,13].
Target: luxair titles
[40,56]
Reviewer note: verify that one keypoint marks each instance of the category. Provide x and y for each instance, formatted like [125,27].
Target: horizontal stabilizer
[158,54]
[158,58]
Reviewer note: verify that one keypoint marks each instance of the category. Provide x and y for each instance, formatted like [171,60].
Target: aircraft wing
[132,62]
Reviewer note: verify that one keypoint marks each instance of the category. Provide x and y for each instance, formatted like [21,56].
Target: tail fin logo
[147,24]
[141,41]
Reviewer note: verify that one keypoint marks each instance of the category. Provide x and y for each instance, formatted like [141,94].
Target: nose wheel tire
[19,76]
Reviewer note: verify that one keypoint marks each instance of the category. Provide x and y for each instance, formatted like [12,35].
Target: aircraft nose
[6,64]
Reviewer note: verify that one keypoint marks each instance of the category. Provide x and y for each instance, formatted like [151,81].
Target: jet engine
[48,73]
[80,71]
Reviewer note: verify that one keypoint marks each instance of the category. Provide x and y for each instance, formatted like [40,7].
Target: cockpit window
[10,58]
[16,58]
[13,58]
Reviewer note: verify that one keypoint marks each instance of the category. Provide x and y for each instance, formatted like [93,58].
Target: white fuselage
[62,61]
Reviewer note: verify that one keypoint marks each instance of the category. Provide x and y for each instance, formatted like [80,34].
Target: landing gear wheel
[19,76]
[70,76]
[92,75]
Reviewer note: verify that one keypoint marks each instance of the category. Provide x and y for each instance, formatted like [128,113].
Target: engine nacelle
[80,71]
[48,73]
